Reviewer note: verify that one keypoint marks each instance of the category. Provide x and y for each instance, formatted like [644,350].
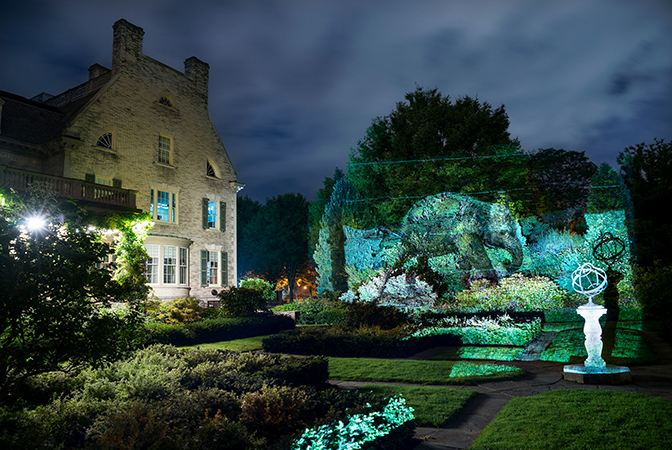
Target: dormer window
[106,141]
[166,101]
[211,170]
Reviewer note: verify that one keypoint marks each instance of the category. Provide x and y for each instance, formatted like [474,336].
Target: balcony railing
[21,180]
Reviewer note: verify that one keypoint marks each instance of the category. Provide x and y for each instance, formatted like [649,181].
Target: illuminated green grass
[411,371]
[237,345]
[434,405]
[568,346]
[580,419]
[473,352]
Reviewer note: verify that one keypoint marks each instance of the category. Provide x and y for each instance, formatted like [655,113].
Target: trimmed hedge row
[298,343]
[215,330]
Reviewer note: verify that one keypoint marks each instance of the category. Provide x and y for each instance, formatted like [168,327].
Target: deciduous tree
[430,144]
[56,296]
[278,235]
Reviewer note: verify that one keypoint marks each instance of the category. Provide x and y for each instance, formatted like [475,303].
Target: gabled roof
[37,123]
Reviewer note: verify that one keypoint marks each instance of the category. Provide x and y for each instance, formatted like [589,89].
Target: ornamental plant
[500,330]
[514,293]
[176,311]
[241,302]
[359,430]
[405,292]
[260,285]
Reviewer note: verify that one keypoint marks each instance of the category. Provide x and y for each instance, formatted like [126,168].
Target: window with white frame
[169,264]
[214,214]
[165,149]
[184,254]
[213,268]
[163,205]
[152,264]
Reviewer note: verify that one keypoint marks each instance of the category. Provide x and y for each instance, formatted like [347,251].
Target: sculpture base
[607,375]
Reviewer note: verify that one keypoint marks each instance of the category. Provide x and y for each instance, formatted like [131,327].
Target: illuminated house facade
[137,135]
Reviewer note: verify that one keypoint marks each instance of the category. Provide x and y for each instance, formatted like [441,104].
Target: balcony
[95,196]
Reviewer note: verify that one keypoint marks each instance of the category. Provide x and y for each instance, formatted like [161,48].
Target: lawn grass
[474,352]
[580,419]
[411,371]
[237,345]
[434,405]
[569,347]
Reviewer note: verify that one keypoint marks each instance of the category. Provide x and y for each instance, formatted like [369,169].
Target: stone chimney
[126,45]
[199,72]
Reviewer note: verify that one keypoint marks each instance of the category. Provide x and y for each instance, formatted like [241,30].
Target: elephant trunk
[515,248]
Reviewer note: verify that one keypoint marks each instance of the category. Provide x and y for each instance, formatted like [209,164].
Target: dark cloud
[294,84]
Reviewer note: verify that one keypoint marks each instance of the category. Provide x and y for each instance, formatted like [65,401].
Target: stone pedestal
[594,370]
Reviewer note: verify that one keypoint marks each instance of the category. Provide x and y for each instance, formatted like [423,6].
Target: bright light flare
[35,223]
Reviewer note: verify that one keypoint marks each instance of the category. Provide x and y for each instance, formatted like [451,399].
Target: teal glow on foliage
[501,330]
[360,428]
[463,369]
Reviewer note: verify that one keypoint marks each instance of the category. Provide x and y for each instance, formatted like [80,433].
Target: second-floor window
[214,214]
[165,149]
[163,205]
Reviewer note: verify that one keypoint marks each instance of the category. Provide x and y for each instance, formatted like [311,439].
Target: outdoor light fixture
[35,223]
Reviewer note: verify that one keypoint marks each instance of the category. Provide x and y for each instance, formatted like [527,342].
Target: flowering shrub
[404,292]
[515,293]
[501,330]
[358,430]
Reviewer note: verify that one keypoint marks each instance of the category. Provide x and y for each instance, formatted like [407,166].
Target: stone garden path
[542,376]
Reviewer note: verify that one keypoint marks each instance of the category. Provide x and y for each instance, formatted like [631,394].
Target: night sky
[295,84]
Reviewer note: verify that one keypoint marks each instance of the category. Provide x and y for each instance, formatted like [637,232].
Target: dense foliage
[257,284]
[500,330]
[217,329]
[241,302]
[345,341]
[430,144]
[56,296]
[163,397]
[276,238]
[316,310]
[515,293]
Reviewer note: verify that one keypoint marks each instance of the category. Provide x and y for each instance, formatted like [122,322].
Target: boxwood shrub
[215,330]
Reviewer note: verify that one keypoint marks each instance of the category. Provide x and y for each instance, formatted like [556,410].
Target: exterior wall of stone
[129,107]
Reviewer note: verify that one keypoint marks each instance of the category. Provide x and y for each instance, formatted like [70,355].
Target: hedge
[215,330]
[298,343]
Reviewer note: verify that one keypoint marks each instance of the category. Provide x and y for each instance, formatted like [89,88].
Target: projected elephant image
[451,223]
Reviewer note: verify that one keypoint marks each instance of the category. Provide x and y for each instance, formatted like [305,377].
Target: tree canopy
[56,293]
[558,186]
[277,236]
[430,144]
[647,171]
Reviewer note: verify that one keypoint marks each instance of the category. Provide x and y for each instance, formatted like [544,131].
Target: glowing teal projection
[590,281]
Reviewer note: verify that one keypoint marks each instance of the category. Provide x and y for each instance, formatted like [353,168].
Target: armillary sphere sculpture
[590,281]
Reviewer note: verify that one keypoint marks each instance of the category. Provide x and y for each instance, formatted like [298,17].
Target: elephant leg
[471,248]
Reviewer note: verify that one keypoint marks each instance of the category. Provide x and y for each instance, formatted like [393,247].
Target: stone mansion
[137,136]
